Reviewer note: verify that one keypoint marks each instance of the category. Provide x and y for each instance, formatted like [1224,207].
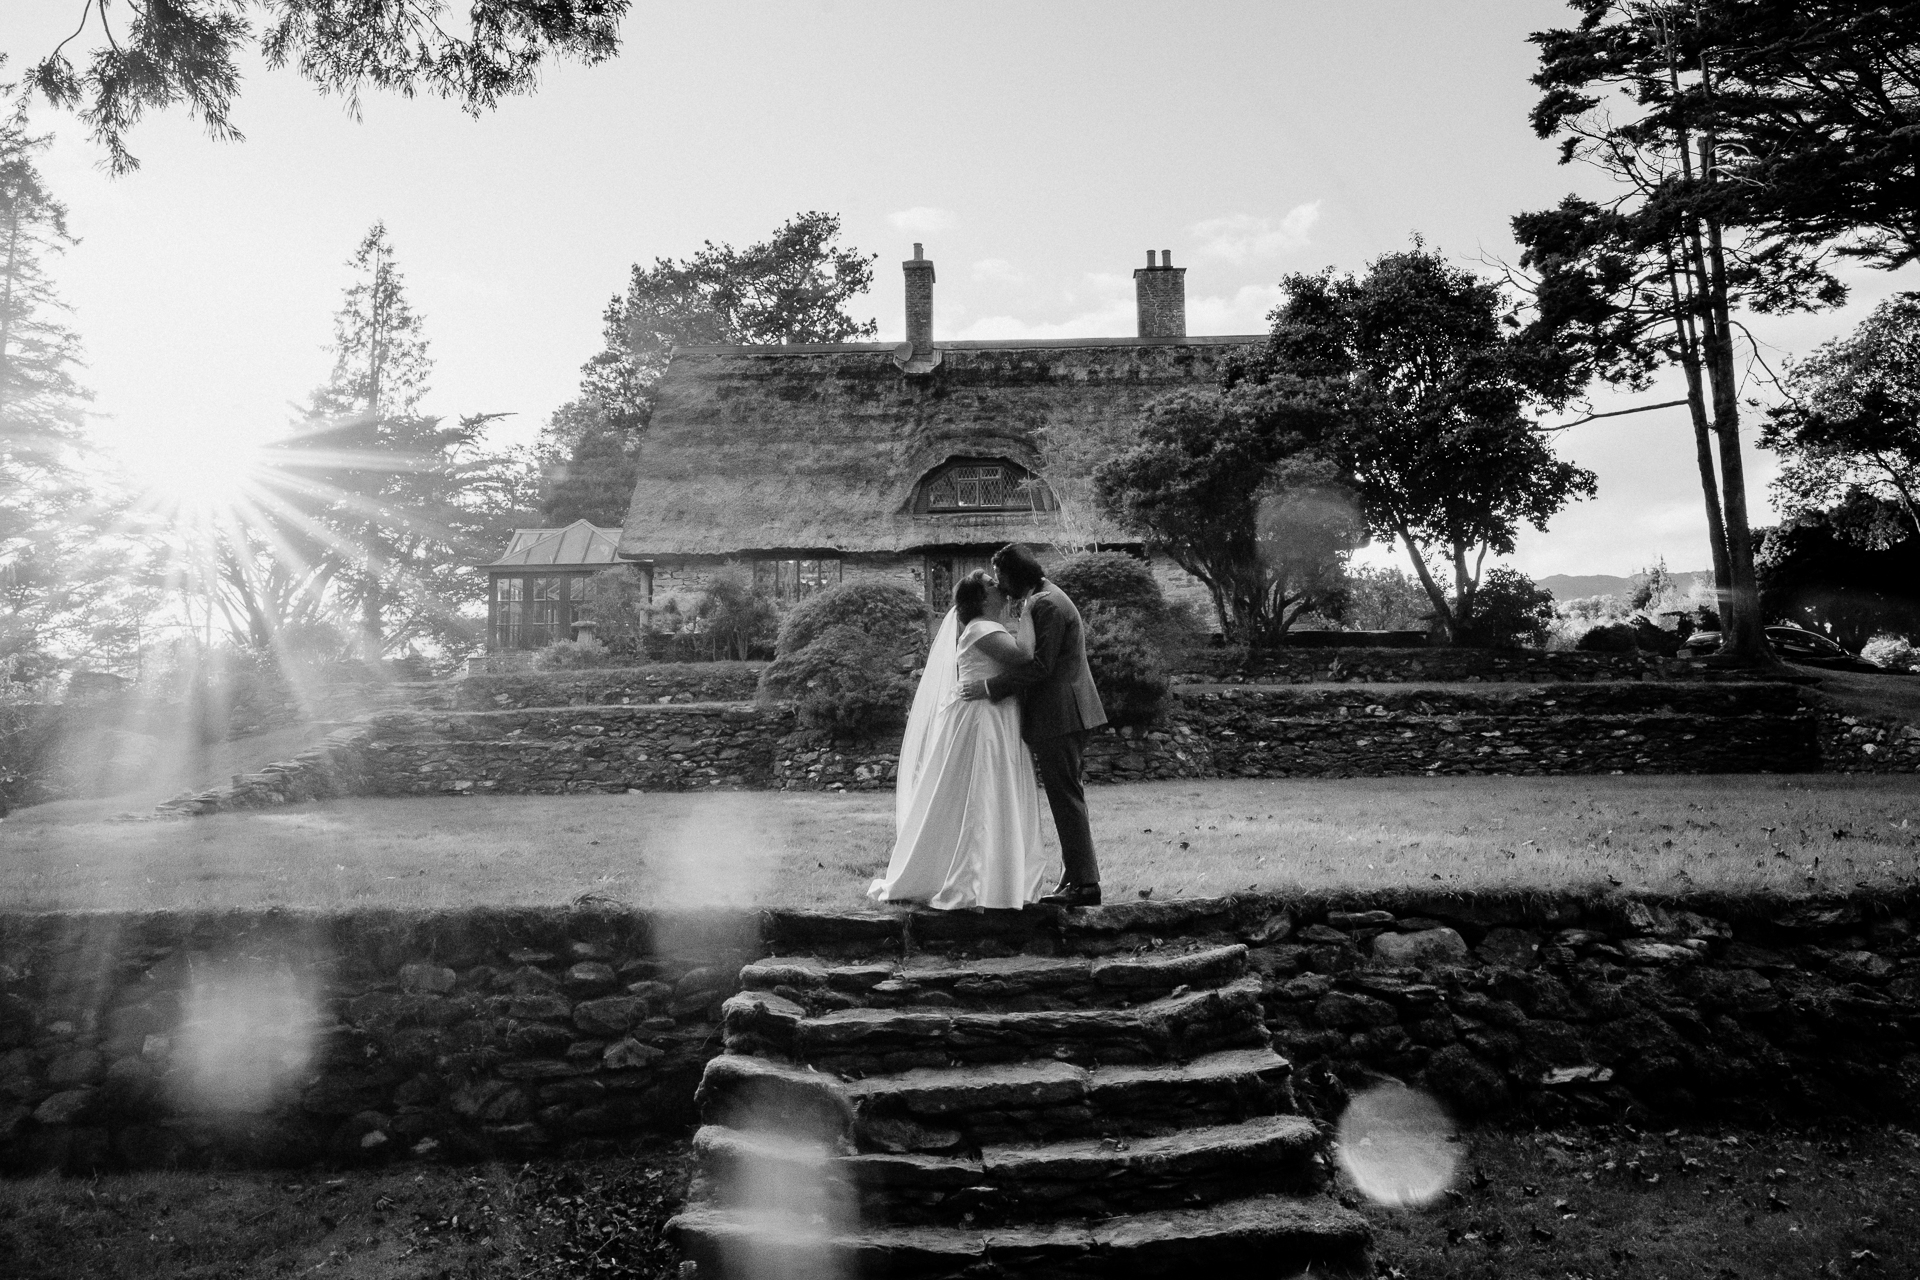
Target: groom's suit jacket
[1055,687]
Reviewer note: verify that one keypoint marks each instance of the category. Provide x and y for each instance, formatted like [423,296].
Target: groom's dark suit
[1059,707]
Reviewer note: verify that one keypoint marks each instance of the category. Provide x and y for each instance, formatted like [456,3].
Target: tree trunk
[1441,612]
[1743,633]
[1689,342]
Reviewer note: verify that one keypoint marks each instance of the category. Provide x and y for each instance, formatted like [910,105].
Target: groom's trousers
[1059,759]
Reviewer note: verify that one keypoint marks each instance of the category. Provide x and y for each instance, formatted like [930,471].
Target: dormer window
[980,485]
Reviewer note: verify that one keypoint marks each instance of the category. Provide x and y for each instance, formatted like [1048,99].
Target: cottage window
[533,610]
[984,486]
[792,579]
[510,618]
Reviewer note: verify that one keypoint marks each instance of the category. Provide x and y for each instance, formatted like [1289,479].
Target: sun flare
[194,473]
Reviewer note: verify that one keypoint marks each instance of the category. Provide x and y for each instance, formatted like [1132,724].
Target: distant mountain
[1574,586]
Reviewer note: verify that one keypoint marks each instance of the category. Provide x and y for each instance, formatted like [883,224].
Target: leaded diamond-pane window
[985,486]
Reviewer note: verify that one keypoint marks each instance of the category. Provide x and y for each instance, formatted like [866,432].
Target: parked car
[1793,644]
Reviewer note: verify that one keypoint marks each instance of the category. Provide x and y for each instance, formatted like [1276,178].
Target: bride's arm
[1003,648]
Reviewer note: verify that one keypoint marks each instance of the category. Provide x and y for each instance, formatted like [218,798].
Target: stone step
[862,1041]
[918,1109]
[1264,1235]
[1019,1181]
[1005,982]
[965,1108]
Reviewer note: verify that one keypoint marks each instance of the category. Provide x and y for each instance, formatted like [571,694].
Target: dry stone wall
[162,1040]
[1440,664]
[1249,731]
[661,683]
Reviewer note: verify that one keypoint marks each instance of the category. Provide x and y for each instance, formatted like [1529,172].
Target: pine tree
[63,593]
[410,498]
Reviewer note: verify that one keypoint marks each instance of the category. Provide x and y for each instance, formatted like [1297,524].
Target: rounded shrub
[1608,637]
[1128,663]
[894,616]
[845,658]
[582,654]
[1113,579]
[1510,611]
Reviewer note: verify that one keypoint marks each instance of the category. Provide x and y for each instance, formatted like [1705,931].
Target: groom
[1059,709]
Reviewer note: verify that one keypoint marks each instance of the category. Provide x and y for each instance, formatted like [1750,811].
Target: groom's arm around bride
[1059,708]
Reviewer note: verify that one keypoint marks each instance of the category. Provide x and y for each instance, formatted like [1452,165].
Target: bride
[966,808]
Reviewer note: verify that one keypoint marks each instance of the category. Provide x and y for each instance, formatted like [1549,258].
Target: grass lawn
[1577,1203]
[1782,834]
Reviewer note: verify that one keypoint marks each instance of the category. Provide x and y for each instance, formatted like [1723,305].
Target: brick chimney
[919,271]
[1161,292]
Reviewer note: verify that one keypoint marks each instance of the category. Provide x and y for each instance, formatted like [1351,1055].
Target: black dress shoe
[1073,895]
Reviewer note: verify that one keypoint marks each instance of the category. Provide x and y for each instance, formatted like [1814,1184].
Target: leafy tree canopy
[1429,381]
[1812,106]
[1232,487]
[1851,571]
[1852,420]
[162,54]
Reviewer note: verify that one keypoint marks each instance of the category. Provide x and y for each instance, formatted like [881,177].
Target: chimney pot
[917,255]
[1166,257]
[1149,257]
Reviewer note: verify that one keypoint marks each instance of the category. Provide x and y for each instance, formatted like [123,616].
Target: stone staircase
[1007,1097]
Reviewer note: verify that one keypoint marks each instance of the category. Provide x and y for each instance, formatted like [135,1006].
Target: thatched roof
[580,545]
[815,448]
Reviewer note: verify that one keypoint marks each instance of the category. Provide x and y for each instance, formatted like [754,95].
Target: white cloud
[997,270]
[1241,237]
[1244,312]
[923,218]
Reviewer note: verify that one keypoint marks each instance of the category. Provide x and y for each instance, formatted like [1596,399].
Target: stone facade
[144,1041]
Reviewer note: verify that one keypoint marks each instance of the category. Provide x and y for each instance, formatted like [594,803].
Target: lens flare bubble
[246,1038]
[1397,1145]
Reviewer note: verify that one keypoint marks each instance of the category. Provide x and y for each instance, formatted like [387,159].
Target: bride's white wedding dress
[966,807]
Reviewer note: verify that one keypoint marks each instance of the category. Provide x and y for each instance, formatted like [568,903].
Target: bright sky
[1036,150]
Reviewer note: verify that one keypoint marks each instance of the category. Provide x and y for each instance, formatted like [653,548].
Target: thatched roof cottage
[817,464]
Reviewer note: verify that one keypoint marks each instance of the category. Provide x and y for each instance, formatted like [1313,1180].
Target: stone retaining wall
[1438,664]
[661,682]
[279,1038]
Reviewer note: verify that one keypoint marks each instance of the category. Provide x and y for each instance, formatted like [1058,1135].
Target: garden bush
[1133,637]
[1128,663]
[735,621]
[894,616]
[1892,652]
[1112,579]
[1510,611]
[846,658]
[582,654]
[1608,637]
[845,682]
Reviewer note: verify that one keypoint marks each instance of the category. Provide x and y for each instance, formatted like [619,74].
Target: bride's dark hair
[970,595]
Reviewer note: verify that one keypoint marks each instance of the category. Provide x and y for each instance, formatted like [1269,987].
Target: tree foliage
[164,54]
[70,589]
[1851,422]
[1428,389]
[1699,109]
[1850,572]
[794,286]
[1231,486]
[377,511]
[1810,108]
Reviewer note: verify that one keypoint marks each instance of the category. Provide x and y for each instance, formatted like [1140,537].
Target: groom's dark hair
[1019,568]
